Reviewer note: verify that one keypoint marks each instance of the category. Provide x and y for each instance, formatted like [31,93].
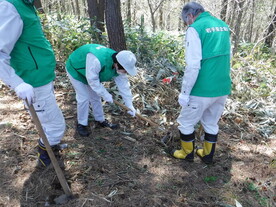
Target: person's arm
[11,26]
[124,90]
[193,56]
[93,68]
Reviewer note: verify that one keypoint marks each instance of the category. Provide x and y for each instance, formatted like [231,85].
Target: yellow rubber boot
[207,153]
[187,148]
[187,151]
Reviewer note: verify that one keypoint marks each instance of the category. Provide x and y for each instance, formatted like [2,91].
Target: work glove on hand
[132,112]
[108,98]
[25,91]
[183,99]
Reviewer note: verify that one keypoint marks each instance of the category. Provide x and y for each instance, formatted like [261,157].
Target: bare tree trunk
[134,20]
[168,26]
[152,12]
[233,13]
[38,6]
[271,30]
[96,13]
[237,30]
[114,25]
[152,16]
[223,12]
[62,6]
[77,9]
[73,7]
[251,23]
[161,20]
[129,12]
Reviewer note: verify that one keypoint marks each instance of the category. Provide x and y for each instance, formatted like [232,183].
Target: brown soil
[129,166]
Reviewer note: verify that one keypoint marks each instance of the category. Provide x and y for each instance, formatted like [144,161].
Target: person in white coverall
[89,66]
[27,66]
[206,81]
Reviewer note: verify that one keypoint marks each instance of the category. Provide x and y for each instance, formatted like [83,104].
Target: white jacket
[11,26]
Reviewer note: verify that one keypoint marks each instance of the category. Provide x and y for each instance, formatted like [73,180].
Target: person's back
[76,62]
[215,42]
[206,81]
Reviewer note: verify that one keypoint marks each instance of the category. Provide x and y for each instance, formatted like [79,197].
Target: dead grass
[110,169]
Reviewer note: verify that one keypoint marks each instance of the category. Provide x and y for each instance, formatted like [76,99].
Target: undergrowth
[161,55]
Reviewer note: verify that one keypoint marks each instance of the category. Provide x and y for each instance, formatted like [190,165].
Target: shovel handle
[57,168]
[136,114]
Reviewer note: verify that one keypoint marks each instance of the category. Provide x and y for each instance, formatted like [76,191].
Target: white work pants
[207,110]
[85,97]
[49,114]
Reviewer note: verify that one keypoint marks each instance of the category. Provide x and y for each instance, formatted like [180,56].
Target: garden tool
[68,194]
[206,154]
[136,114]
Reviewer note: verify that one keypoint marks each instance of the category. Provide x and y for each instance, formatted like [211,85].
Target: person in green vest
[27,66]
[206,81]
[90,65]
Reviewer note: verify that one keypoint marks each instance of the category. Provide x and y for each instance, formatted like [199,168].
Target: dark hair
[116,61]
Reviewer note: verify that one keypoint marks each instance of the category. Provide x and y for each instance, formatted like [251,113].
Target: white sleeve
[93,68]
[11,26]
[193,56]
[124,89]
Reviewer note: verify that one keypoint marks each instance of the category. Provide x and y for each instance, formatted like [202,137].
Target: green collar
[202,15]
[29,1]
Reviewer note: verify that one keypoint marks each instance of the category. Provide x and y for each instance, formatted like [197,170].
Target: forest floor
[129,166]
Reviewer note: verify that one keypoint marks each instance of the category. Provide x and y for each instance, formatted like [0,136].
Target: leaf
[209,179]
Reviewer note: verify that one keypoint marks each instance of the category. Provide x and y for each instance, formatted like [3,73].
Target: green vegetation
[161,55]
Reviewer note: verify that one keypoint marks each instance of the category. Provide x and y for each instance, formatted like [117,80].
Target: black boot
[209,145]
[82,130]
[43,157]
[106,123]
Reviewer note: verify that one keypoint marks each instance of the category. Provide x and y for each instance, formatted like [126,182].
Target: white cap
[127,59]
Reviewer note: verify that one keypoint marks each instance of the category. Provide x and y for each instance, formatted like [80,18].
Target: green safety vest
[214,75]
[76,62]
[32,57]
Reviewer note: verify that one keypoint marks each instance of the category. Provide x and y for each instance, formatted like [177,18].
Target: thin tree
[271,30]
[77,8]
[224,10]
[153,10]
[129,12]
[114,25]
[236,37]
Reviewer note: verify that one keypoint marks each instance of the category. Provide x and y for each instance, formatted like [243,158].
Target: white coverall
[207,110]
[91,94]
[45,104]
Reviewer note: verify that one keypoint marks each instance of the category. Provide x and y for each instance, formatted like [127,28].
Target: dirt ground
[129,166]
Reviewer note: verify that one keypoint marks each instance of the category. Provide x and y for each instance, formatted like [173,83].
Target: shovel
[60,175]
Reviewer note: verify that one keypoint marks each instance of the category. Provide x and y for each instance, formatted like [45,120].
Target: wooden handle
[57,168]
[136,114]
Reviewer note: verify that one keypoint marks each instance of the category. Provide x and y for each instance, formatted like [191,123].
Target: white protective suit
[48,112]
[197,108]
[91,94]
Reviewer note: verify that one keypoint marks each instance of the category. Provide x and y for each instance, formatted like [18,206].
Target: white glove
[108,98]
[132,112]
[183,100]
[25,91]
